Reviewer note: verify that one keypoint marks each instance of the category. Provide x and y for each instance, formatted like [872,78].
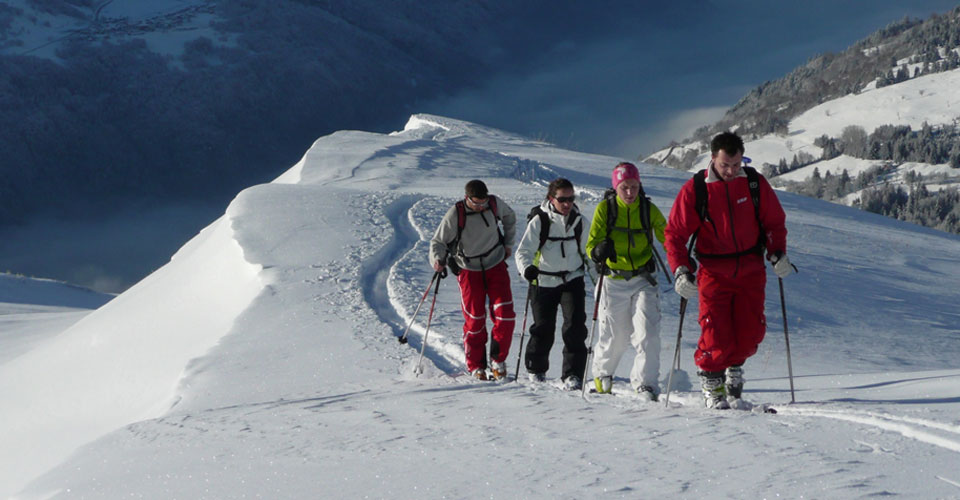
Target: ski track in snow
[329,398]
[447,354]
[948,481]
[887,422]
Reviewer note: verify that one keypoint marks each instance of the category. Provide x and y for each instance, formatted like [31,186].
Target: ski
[622,394]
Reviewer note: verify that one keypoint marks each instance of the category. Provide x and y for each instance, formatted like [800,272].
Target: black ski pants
[570,297]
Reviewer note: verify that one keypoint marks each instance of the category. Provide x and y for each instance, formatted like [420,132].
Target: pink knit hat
[624,171]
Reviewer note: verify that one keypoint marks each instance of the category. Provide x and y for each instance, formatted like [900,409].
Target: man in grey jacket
[474,238]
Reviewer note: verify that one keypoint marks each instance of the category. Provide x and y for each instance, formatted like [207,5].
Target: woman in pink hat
[621,243]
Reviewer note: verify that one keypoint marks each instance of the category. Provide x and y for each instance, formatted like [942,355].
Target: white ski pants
[629,313]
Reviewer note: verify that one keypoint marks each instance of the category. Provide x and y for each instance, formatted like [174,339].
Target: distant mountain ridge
[187,99]
[876,126]
[903,50]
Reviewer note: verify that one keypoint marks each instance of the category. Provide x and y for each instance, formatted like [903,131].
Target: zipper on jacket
[733,231]
[630,242]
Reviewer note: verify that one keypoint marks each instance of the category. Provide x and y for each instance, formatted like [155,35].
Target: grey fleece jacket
[480,234]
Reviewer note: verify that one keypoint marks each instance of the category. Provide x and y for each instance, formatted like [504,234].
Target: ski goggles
[480,205]
[566,199]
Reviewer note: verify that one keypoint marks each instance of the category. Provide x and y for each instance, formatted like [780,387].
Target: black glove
[603,251]
[531,273]
[454,267]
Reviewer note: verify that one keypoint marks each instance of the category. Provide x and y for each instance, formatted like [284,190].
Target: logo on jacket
[741,200]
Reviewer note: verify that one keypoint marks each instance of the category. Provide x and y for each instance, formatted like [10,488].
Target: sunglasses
[565,199]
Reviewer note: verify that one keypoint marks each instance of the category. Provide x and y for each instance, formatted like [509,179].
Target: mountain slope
[308,392]
[34,310]
[875,126]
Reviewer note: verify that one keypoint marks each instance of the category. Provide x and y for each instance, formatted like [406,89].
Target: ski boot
[714,392]
[734,382]
[572,383]
[480,374]
[536,377]
[647,393]
[498,370]
[604,384]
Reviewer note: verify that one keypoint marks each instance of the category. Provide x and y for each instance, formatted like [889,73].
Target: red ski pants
[475,288]
[732,321]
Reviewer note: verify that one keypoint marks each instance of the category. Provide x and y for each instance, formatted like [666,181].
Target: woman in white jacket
[551,256]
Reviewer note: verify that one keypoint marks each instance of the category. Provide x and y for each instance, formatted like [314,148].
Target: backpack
[700,204]
[610,195]
[545,236]
[462,215]
[545,228]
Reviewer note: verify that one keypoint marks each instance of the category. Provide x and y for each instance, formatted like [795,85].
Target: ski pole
[593,331]
[403,338]
[676,354]
[423,347]
[786,338]
[523,330]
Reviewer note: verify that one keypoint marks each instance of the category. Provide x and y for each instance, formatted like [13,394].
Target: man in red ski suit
[730,241]
[474,238]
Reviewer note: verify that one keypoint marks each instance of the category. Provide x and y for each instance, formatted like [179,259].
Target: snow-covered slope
[930,99]
[122,362]
[33,310]
[263,360]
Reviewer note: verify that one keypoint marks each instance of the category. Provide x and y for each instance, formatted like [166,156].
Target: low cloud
[657,134]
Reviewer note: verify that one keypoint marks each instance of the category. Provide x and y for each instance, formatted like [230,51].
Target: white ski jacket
[556,256]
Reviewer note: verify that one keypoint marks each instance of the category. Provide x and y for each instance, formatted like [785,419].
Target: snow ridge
[311,389]
[126,358]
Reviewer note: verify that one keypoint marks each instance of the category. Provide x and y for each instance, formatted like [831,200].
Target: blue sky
[648,79]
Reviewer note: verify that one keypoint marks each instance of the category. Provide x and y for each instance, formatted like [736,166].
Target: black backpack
[545,236]
[545,228]
[611,198]
[700,203]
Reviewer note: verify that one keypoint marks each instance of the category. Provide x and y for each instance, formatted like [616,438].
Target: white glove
[781,265]
[684,283]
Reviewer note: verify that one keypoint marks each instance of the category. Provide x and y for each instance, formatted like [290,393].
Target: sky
[622,85]
[263,360]
[657,78]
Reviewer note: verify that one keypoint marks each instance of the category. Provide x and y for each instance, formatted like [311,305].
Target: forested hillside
[913,169]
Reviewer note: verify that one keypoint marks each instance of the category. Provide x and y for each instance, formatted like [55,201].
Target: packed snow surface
[263,360]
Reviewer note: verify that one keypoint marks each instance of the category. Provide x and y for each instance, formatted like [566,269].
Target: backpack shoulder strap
[544,224]
[700,190]
[493,207]
[645,217]
[578,230]
[461,219]
[753,181]
[610,196]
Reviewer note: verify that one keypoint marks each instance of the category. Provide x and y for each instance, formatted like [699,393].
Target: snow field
[310,393]
[122,363]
